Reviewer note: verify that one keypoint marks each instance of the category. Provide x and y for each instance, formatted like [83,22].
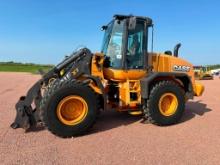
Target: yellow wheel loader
[124,76]
[202,73]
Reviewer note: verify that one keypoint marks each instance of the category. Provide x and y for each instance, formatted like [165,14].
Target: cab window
[113,47]
[135,54]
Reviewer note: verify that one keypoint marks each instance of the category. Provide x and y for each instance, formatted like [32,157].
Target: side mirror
[132,23]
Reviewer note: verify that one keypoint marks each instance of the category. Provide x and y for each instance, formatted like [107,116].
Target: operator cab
[125,42]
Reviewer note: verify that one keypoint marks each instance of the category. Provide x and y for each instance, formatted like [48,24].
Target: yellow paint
[199,89]
[165,63]
[135,113]
[62,72]
[122,75]
[97,71]
[72,110]
[125,90]
[95,88]
[97,65]
[168,104]
[75,71]
[129,80]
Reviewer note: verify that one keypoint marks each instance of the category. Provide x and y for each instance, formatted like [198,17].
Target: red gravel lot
[116,138]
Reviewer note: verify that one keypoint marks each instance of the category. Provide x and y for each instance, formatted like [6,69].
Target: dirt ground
[116,138]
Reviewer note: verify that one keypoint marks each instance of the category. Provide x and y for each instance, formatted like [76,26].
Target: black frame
[145,43]
[147,22]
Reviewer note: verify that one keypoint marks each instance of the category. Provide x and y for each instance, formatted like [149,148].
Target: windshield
[112,43]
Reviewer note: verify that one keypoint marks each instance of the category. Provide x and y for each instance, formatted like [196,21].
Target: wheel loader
[124,76]
[202,73]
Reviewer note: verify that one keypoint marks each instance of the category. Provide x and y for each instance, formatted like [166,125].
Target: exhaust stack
[176,50]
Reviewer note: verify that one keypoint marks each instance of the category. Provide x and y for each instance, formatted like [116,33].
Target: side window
[135,54]
[114,50]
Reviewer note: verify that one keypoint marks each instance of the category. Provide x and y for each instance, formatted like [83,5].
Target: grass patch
[20,67]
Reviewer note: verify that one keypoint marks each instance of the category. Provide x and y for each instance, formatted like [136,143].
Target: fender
[99,84]
[146,82]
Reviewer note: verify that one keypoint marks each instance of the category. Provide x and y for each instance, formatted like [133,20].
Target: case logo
[181,68]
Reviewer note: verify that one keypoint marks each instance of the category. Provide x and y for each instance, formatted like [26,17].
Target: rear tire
[166,103]
[59,91]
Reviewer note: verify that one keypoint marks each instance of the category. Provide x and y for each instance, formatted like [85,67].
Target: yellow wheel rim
[71,110]
[168,104]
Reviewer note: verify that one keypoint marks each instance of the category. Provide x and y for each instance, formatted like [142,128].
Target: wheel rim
[168,104]
[71,110]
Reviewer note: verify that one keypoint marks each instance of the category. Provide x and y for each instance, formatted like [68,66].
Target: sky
[44,31]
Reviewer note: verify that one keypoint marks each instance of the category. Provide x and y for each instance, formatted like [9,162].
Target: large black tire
[152,111]
[59,90]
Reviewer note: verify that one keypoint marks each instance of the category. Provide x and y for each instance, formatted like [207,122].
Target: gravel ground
[116,138]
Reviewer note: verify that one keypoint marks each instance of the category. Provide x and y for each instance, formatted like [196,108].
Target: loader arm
[28,107]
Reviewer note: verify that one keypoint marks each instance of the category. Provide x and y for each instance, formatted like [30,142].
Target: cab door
[136,46]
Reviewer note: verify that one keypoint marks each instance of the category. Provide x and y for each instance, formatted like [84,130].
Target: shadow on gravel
[111,119]
[107,120]
[35,129]
[193,109]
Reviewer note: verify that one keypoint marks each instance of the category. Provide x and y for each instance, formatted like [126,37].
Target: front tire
[69,108]
[166,103]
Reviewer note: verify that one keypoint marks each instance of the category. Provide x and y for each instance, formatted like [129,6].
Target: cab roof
[148,20]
